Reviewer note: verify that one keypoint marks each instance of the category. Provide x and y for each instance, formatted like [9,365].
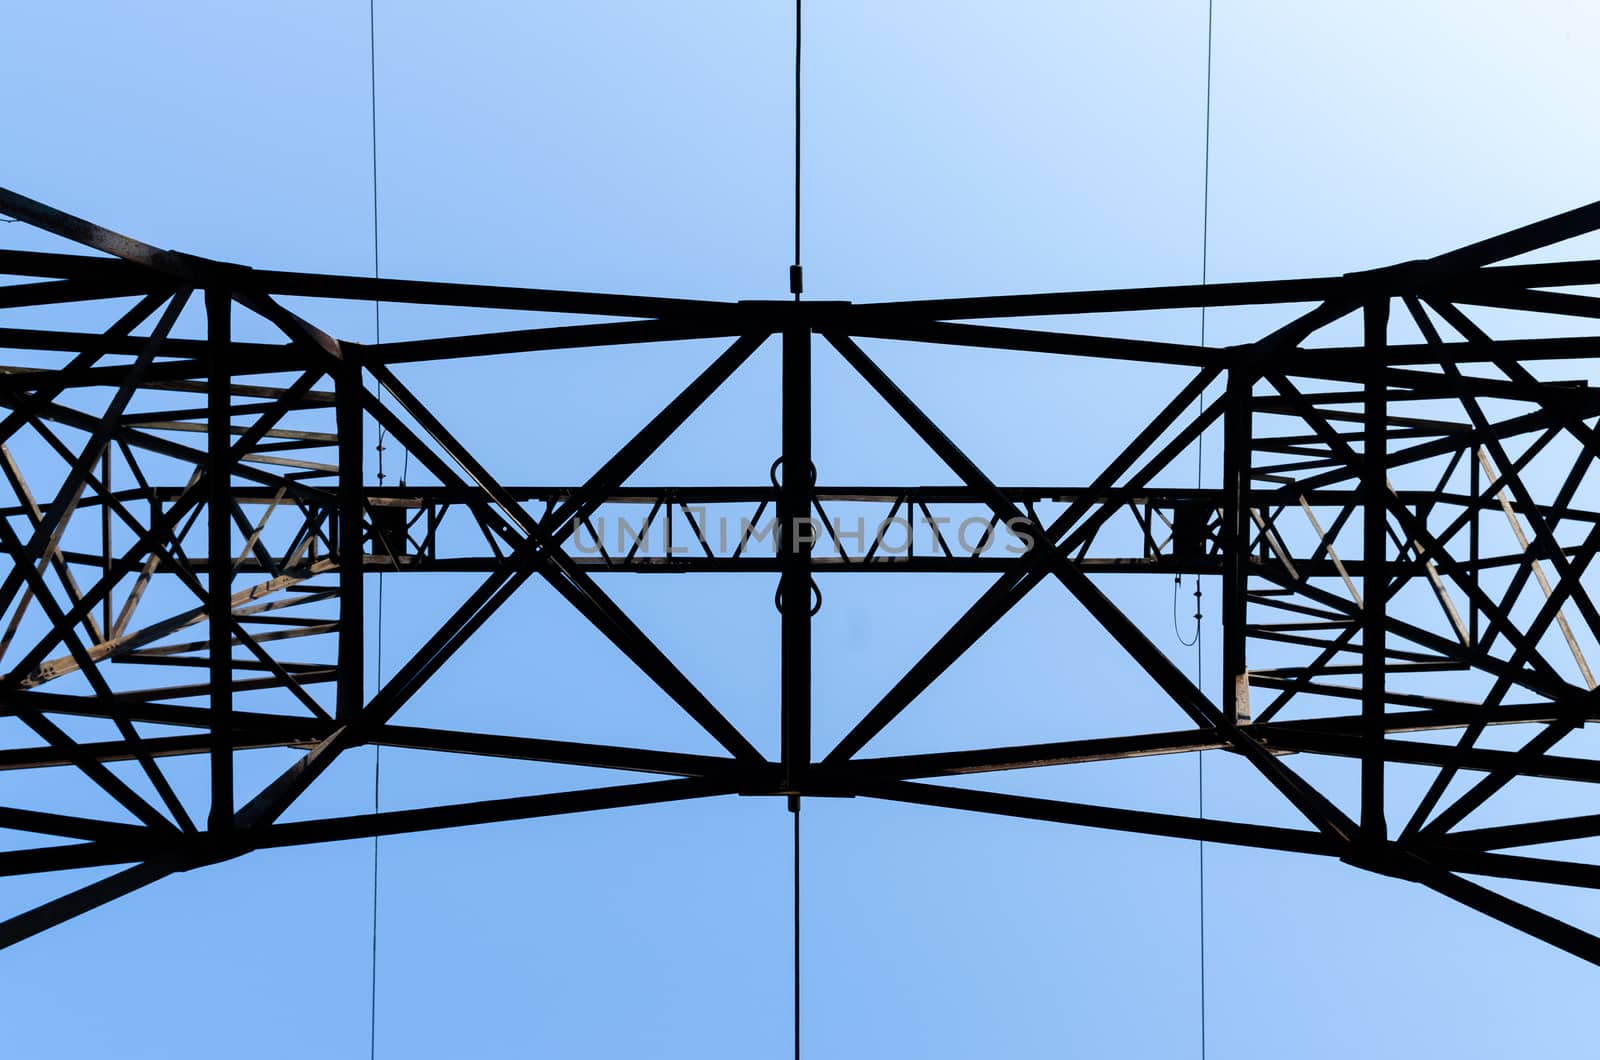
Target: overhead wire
[796,281]
[377,338]
[796,285]
[796,815]
[1200,456]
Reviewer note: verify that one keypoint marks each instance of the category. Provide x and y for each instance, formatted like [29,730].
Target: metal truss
[1403,533]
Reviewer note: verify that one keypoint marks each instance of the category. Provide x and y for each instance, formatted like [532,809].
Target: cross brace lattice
[1402,532]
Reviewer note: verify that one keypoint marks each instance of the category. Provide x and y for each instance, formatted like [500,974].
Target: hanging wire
[1200,457]
[1177,581]
[796,284]
[377,338]
[377,774]
[796,816]
[796,281]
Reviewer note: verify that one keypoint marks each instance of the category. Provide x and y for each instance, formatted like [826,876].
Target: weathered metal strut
[1402,533]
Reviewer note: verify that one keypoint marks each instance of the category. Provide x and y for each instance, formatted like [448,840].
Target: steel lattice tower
[1396,572]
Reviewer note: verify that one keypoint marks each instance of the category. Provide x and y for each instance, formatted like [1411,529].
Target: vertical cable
[796,816]
[1200,456]
[796,283]
[377,337]
[1200,784]
[377,772]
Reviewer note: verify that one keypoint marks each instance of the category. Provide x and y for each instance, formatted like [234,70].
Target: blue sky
[950,149]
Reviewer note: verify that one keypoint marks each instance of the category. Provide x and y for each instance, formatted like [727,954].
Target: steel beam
[1388,437]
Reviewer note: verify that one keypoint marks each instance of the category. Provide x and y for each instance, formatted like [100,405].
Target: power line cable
[1200,455]
[796,815]
[796,281]
[796,285]
[377,338]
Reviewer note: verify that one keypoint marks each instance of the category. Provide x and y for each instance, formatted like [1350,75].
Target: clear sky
[951,148]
